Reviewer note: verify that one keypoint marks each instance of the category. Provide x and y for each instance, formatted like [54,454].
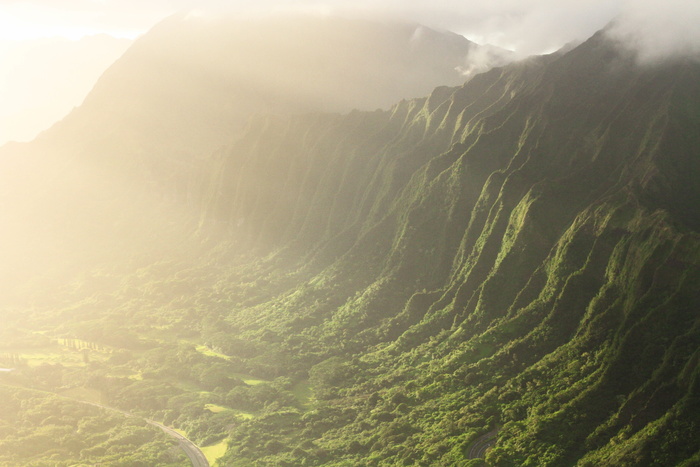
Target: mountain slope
[190,84]
[521,252]
[40,84]
[113,176]
[515,260]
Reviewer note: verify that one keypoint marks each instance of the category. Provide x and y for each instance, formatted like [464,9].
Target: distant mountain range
[506,269]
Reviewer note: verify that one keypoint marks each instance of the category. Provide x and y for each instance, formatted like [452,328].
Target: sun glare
[26,22]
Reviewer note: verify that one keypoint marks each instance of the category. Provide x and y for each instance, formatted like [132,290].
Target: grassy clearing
[63,356]
[66,352]
[249,380]
[213,408]
[203,349]
[302,391]
[215,452]
[242,414]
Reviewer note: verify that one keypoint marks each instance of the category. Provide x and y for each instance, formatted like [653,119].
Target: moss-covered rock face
[521,252]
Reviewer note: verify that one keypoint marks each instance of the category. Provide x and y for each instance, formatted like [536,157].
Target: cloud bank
[653,28]
[658,31]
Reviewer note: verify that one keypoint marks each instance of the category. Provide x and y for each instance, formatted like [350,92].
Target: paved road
[482,444]
[193,452]
[195,455]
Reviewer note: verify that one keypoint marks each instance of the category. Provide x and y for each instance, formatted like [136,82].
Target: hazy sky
[656,28]
[41,80]
[529,26]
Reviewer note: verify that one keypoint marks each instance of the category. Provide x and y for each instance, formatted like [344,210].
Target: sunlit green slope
[519,253]
[506,271]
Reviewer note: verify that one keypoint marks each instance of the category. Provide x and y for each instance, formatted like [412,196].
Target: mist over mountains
[503,270]
[180,93]
[203,77]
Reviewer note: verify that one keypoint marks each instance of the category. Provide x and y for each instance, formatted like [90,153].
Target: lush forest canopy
[512,262]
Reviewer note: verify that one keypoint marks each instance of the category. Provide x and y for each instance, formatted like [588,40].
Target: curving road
[482,444]
[193,452]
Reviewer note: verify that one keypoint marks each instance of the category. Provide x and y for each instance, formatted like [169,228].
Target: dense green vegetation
[40,429]
[519,255]
[510,260]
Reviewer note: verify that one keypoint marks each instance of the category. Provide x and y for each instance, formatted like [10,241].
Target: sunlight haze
[349,233]
[531,27]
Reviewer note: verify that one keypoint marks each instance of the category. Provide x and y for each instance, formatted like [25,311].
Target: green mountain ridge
[520,252]
[513,261]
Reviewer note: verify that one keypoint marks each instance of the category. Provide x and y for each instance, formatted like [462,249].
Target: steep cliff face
[117,174]
[521,252]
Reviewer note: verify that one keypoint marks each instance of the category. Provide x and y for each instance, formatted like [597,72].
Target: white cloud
[483,58]
[654,27]
[529,26]
[659,30]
